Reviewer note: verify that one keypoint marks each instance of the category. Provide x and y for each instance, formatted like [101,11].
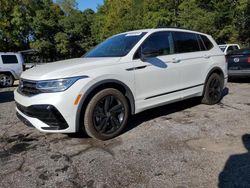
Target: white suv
[11,67]
[124,75]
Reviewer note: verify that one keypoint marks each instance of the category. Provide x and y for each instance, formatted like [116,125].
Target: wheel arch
[109,83]
[217,70]
[8,73]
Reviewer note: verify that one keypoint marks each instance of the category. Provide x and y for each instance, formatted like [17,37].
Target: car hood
[66,68]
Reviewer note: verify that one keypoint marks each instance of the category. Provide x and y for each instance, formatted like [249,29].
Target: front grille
[28,88]
[45,113]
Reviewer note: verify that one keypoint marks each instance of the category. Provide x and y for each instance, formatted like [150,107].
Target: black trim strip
[136,68]
[173,91]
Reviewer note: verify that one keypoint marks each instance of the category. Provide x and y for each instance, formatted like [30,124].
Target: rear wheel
[213,90]
[6,80]
[106,114]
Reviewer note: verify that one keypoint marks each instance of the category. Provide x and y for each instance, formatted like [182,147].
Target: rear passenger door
[194,60]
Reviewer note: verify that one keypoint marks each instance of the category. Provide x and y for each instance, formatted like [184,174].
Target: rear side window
[207,42]
[9,59]
[236,47]
[186,42]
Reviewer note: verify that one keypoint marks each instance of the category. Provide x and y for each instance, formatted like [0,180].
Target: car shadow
[239,80]
[165,110]
[6,96]
[236,172]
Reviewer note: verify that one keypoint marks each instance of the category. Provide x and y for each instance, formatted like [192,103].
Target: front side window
[185,42]
[116,46]
[9,59]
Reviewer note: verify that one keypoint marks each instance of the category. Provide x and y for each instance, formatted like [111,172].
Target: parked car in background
[239,62]
[11,67]
[126,74]
[226,48]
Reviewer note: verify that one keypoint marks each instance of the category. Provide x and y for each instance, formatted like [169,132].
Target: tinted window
[236,47]
[161,42]
[240,52]
[185,42]
[9,59]
[116,46]
[207,42]
[230,48]
[201,43]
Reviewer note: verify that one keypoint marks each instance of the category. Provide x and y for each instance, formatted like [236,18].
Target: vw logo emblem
[236,60]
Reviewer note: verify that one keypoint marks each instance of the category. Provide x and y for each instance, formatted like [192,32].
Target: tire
[6,80]
[213,90]
[106,114]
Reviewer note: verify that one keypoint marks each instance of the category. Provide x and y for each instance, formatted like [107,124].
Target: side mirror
[148,52]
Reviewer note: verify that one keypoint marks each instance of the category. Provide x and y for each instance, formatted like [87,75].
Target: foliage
[57,29]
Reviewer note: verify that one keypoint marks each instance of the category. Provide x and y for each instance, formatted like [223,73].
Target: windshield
[116,46]
[222,48]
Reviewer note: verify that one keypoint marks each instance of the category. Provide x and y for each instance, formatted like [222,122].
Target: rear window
[209,45]
[185,42]
[9,59]
[240,52]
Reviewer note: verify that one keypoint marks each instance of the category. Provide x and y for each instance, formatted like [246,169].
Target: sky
[84,4]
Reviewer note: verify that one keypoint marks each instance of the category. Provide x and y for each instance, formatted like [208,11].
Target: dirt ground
[181,145]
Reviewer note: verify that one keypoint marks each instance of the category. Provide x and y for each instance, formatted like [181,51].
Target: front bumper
[51,112]
[47,114]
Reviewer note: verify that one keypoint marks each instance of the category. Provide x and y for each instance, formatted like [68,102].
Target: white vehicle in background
[11,68]
[126,74]
[226,48]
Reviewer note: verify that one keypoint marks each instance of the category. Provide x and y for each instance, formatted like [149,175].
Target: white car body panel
[15,69]
[163,81]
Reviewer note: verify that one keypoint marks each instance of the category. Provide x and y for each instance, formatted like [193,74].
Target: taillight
[248,59]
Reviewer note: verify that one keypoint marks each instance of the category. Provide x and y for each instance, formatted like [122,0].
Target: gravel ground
[185,144]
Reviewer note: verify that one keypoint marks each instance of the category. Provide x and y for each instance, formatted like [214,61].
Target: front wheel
[213,90]
[6,80]
[106,114]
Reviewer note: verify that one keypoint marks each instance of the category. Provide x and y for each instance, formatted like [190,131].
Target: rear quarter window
[9,59]
[208,44]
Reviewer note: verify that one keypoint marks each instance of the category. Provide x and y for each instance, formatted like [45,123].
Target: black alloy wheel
[213,90]
[106,114]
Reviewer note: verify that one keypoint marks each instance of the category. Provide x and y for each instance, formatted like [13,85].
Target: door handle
[174,60]
[206,56]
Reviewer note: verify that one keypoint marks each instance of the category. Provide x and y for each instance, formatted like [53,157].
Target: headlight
[49,86]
